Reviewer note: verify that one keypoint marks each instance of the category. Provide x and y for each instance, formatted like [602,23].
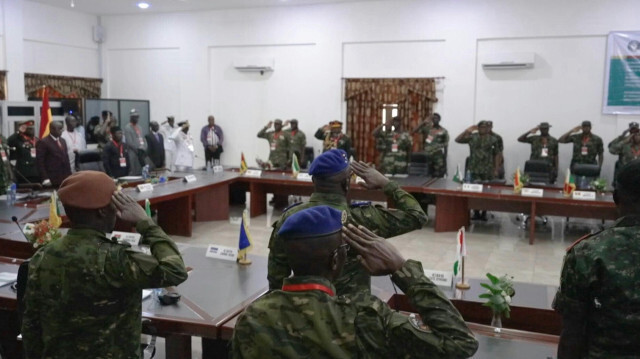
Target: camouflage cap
[483,123]
[544,125]
[634,127]
[87,190]
[318,221]
[293,120]
[277,120]
[329,163]
[586,123]
[335,124]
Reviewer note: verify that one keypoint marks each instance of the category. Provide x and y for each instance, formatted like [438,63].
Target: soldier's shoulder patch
[360,204]
[586,236]
[418,324]
[291,206]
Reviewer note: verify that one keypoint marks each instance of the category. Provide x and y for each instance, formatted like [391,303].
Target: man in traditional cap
[305,318]
[484,152]
[155,143]
[332,137]
[184,147]
[115,155]
[166,129]
[331,180]
[134,139]
[23,151]
[52,157]
[394,146]
[279,144]
[83,292]
[543,147]
[625,146]
[74,138]
[436,144]
[586,145]
[212,137]
[298,140]
[599,294]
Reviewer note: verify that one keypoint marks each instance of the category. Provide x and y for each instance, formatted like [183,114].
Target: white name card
[471,187]
[126,237]
[253,173]
[218,169]
[190,178]
[145,187]
[222,252]
[584,195]
[303,176]
[532,192]
[440,278]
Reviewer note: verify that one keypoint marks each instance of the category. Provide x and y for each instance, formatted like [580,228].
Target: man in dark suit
[51,157]
[115,155]
[155,145]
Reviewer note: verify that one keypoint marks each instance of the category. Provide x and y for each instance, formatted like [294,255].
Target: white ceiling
[113,7]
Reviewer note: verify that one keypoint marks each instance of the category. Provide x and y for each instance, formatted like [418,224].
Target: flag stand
[244,260]
[462,284]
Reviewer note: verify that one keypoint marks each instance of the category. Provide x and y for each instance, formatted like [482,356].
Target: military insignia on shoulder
[291,206]
[344,218]
[360,204]
[418,324]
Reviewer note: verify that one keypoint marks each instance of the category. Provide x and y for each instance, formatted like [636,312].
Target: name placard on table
[471,187]
[440,278]
[190,178]
[303,176]
[532,192]
[145,187]
[218,169]
[222,252]
[253,173]
[584,195]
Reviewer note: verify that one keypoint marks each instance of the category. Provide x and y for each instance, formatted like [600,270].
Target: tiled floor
[498,246]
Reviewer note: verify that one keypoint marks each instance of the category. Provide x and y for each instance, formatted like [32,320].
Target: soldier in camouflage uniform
[83,291]
[599,294]
[543,147]
[279,144]
[586,145]
[484,158]
[332,138]
[298,140]
[306,320]
[23,144]
[436,144]
[331,177]
[500,148]
[394,146]
[6,175]
[623,146]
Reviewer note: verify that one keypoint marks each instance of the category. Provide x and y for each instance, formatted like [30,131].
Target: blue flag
[244,242]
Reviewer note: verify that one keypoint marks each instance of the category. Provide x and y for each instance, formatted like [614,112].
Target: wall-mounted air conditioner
[508,61]
[260,65]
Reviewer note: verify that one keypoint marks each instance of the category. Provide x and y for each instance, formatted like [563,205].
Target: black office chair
[89,160]
[308,157]
[584,174]
[418,164]
[540,172]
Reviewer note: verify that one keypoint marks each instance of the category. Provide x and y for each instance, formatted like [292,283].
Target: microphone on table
[15,220]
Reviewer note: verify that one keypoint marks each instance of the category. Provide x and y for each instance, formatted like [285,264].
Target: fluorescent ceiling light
[143,5]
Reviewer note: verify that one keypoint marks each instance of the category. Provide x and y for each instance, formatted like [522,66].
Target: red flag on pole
[45,115]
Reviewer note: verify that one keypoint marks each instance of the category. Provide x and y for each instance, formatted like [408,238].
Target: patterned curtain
[365,99]
[3,85]
[62,86]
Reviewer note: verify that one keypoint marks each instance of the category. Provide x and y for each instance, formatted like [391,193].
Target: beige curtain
[3,85]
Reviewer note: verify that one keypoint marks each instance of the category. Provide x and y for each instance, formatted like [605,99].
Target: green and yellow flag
[295,166]
[54,212]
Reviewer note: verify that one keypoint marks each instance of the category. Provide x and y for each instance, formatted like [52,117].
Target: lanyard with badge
[635,152]
[32,141]
[140,139]
[585,150]
[430,136]
[123,161]
[394,145]
[545,149]
[274,142]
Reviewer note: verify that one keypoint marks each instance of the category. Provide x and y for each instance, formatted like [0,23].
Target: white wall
[315,46]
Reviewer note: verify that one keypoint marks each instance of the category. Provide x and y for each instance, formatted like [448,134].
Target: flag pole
[244,260]
[462,284]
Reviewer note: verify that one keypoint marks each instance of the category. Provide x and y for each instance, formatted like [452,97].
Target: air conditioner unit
[254,65]
[509,61]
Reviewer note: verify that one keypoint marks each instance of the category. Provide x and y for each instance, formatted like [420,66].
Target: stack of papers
[7,278]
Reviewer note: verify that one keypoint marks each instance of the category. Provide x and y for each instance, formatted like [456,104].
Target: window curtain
[62,86]
[365,99]
[3,85]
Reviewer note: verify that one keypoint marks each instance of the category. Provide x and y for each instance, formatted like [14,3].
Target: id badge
[141,141]
[123,162]
[4,155]
[273,146]
[394,147]
[190,147]
[584,151]
[545,152]
[429,139]
[33,153]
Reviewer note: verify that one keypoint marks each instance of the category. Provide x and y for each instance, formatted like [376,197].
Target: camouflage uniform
[298,143]
[599,285]
[314,324]
[593,145]
[5,167]
[83,297]
[393,161]
[483,150]
[340,141]
[384,222]
[436,141]
[626,152]
[24,154]
[279,145]
[500,149]
[544,148]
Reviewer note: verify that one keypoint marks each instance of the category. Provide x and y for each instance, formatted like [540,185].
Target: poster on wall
[622,77]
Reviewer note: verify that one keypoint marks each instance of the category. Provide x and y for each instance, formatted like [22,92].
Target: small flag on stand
[54,212]
[243,164]
[147,207]
[458,176]
[295,166]
[517,182]
[244,241]
[45,115]
[569,184]
[458,265]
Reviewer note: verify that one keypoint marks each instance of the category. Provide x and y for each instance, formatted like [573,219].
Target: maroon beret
[87,190]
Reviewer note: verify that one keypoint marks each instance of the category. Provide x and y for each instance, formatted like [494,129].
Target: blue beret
[313,222]
[329,163]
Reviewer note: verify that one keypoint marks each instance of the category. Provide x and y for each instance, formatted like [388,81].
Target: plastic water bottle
[467,177]
[145,172]
[11,193]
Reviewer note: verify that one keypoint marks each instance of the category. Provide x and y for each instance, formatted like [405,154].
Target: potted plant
[498,296]
[599,185]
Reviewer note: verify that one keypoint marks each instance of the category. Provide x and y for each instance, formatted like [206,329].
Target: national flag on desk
[244,241]
[45,115]
[461,251]
[243,164]
[295,166]
[54,211]
[569,183]
[458,176]
[147,207]
[517,181]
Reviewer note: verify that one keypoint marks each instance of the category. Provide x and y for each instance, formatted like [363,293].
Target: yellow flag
[54,214]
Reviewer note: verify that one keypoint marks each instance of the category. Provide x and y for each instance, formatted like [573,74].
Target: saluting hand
[534,130]
[269,124]
[377,255]
[577,128]
[372,178]
[127,208]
